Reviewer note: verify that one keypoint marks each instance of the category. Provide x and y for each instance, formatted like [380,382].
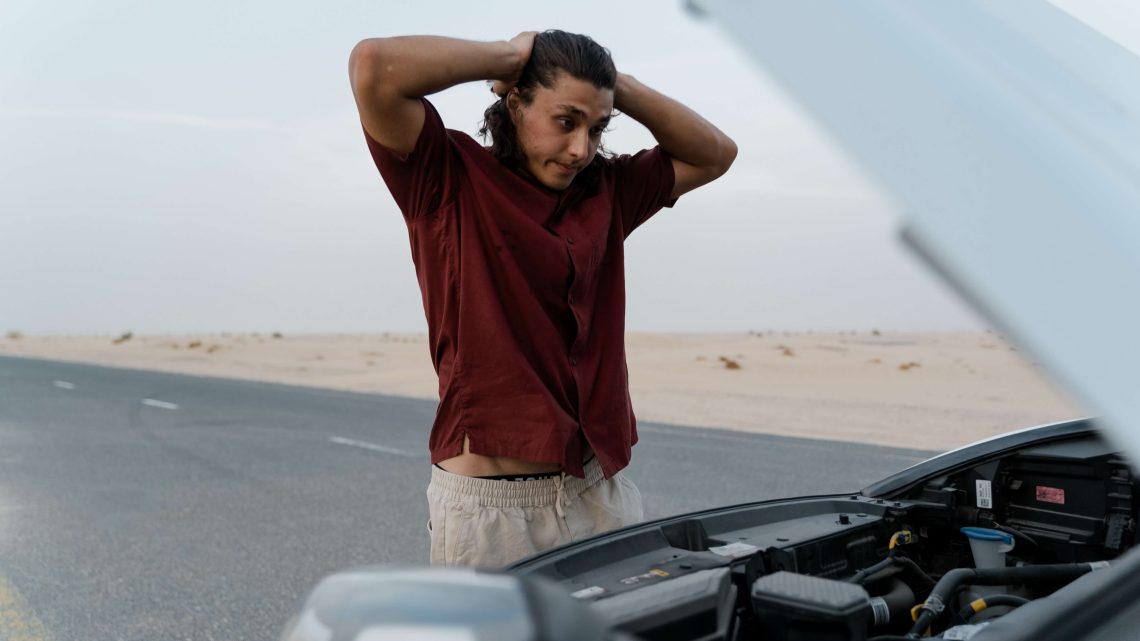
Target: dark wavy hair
[554,51]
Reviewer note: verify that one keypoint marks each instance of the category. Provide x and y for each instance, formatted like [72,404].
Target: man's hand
[523,44]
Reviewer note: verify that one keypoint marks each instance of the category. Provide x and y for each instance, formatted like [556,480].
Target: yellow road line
[17,623]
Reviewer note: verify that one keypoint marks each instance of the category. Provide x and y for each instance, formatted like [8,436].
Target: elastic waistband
[521,477]
[491,493]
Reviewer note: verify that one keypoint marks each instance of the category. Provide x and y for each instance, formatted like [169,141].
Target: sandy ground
[921,390]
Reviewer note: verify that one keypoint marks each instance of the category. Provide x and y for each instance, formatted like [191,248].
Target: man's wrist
[625,90]
[508,61]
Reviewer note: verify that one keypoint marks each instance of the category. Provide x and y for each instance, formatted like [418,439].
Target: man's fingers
[500,88]
[524,44]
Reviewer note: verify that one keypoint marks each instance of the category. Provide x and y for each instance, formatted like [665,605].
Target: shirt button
[570,240]
[573,361]
[571,299]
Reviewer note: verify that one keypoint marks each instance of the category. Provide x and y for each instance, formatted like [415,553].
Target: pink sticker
[1050,495]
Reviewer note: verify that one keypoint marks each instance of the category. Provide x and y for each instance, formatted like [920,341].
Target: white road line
[150,402]
[63,384]
[370,446]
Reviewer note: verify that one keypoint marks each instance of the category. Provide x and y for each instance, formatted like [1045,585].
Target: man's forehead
[577,97]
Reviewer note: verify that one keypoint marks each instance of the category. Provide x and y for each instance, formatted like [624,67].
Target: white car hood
[1007,132]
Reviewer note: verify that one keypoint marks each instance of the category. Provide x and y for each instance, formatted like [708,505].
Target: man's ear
[514,103]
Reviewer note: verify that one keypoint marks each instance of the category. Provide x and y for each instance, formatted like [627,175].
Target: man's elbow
[370,67]
[362,63]
[727,155]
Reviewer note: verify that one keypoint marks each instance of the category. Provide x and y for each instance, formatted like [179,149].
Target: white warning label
[589,593]
[734,550]
[985,498]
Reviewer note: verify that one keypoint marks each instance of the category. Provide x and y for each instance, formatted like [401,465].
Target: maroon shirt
[524,292]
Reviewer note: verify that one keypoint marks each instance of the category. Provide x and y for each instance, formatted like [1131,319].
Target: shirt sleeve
[425,180]
[644,183]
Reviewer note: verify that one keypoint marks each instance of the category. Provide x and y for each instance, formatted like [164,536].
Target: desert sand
[931,391]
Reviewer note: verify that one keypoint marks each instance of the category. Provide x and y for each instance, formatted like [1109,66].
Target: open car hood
[1007,133]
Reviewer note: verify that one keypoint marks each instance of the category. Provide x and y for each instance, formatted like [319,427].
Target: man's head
[550,124]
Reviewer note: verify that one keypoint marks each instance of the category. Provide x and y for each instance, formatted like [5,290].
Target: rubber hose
[861,576]
[881,570]
[953,581]
[912,569]
[991,601]
[899,600]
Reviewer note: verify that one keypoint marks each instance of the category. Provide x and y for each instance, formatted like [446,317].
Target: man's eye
[597,131]
[566,123]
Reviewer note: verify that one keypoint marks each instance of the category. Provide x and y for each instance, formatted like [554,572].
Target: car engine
[946,556]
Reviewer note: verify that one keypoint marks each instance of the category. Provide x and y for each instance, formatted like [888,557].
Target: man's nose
[579,144]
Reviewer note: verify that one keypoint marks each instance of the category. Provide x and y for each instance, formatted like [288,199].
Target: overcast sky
[199,166]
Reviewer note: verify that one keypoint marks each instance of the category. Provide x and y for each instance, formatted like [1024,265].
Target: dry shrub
[911,365]
[729,363]
[124,337]
[194,344]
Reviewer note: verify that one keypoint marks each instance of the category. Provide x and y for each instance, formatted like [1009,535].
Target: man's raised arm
[701,152]
[390,75]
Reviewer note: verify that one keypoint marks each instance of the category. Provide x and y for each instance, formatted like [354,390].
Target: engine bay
[944,556]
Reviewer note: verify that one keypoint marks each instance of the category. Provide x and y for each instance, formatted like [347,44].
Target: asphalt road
[140,506]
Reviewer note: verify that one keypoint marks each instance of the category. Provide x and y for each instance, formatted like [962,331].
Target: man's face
[560,130]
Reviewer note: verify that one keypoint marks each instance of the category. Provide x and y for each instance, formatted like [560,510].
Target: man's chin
[551,179]
[557,183]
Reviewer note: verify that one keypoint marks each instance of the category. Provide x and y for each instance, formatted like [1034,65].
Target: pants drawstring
[560,483]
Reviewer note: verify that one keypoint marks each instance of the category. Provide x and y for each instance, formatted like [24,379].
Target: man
[519,255]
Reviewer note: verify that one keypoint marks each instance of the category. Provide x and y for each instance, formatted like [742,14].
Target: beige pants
[488,523]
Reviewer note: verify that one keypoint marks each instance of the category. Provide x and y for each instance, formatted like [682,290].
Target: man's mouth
[566,169]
